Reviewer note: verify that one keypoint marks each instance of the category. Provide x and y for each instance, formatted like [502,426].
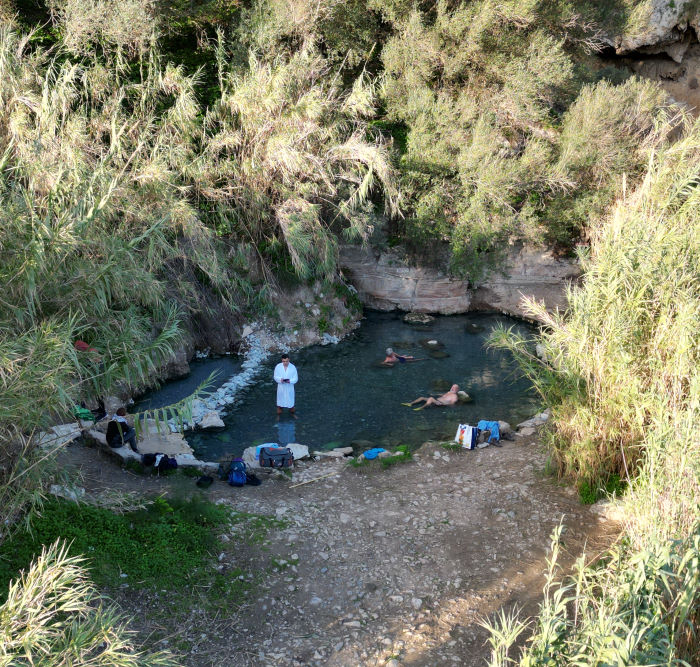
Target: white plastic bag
[466,436]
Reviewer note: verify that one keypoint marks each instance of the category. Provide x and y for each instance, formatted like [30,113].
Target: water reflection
[286,429]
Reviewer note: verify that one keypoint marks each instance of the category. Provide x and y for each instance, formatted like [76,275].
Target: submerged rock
[440,385]
[362,444]
[473,328]
[211,419]
[329,339]
[431,344]
[464,397]
[418,318]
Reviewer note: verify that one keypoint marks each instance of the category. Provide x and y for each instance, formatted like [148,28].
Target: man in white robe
[285,377]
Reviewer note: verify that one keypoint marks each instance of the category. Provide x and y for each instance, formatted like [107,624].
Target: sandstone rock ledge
[385,281]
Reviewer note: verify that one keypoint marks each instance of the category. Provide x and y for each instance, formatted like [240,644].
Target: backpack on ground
[237,473]
[276,457]
[149,459]
[164,463]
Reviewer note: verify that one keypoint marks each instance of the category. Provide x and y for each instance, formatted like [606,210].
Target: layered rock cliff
[387,281]
[659,40]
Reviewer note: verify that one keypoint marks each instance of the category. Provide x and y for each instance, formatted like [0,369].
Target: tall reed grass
[54,616]
[621,374]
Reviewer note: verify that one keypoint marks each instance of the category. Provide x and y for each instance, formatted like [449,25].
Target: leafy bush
[492,154]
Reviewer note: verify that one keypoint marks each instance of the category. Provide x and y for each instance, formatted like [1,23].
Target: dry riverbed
[368,566]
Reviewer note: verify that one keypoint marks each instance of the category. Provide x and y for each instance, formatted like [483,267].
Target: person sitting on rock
[448,398]
[119,433]
[392,357]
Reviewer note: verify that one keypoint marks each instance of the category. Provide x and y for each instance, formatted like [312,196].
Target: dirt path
[378,567]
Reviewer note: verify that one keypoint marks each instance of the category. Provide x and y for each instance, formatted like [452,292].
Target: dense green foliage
[158,157]
[167,543]
[504,127]
[621,374]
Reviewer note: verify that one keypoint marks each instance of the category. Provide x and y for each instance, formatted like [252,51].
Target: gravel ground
[375,567]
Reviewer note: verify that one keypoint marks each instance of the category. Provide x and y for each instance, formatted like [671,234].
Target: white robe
[285,390]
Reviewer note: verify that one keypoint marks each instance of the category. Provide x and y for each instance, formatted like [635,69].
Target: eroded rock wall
[660,42]
[387,281]
[658,26]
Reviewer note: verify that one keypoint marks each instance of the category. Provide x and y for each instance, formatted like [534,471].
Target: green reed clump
[622,362]
[53,616]
[621,374]
[630,608]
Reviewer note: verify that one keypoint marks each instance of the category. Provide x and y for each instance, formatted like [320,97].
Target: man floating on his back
[450,397]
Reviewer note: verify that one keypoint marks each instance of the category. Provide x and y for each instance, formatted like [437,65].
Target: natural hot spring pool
[344,395]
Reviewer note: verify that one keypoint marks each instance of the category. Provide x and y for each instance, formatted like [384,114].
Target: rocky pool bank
[369,566]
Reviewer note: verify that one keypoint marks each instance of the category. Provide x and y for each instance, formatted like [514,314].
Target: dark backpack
[148,459]
[237,473]
[166,463]
[276,457]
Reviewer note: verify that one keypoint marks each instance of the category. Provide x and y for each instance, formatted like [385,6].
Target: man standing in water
[285,377]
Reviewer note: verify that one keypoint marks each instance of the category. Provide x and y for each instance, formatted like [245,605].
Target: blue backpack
[237,473]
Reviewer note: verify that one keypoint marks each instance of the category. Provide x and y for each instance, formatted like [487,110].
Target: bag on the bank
[205,481]
[467,436]
[276,457]
[164,462]
[161,462]
[237,473]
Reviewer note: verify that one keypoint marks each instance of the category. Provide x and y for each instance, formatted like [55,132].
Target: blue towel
[371,454]
[484,425]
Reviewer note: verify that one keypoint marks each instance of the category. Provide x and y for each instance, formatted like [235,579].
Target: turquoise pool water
[344,394]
